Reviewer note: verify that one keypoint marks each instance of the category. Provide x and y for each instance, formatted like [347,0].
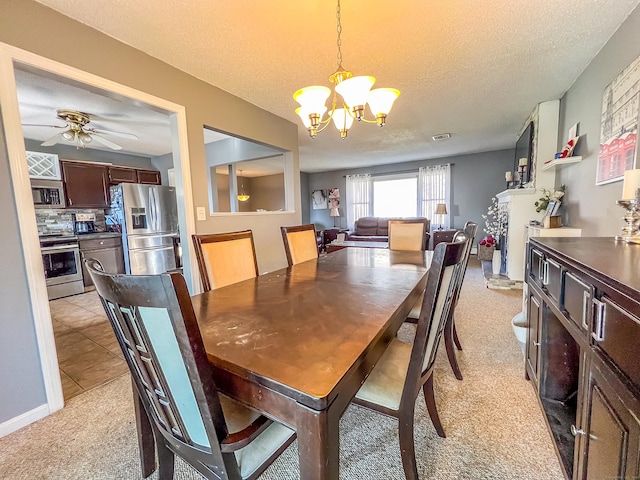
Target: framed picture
[619,126]
[334,193]
[551,206]
[319,199]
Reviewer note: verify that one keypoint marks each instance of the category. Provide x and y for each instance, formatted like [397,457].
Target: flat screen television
[524,149]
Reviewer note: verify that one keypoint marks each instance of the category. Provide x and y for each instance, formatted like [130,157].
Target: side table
[439,236]
[331,234]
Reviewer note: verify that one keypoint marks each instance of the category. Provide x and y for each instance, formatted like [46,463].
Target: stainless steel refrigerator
[148,217]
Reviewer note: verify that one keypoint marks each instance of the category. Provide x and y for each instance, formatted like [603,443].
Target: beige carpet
[495,428]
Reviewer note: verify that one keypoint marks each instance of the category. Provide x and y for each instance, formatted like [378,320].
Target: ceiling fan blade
[52,141]
[38,125]
[100,131]
[105,142]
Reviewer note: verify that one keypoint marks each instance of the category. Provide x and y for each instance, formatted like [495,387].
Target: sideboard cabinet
[583,312]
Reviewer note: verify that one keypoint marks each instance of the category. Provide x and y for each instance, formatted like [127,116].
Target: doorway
[11,59]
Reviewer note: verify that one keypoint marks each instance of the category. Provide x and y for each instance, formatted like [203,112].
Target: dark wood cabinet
[122,175]
[150,177]
[133,175]
[584,329]
[533,335]
[85,184]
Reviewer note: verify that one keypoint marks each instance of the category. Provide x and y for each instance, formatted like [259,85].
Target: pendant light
[355,93]
[242,196]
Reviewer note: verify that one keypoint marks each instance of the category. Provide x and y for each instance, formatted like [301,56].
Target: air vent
[441,136]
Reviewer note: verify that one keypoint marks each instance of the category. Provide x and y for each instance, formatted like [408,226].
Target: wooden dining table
[296,344]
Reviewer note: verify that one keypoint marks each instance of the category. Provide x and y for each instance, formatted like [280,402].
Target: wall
[21,383]
[475,179]
[587,206]
[22,389]
[163,163]
[267,192]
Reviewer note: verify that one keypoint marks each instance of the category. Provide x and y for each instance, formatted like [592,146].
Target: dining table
[296,344]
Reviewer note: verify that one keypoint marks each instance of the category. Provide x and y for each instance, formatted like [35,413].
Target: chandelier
[243,197]
[355,93]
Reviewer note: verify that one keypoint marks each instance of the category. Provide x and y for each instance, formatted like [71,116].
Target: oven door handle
[58,247]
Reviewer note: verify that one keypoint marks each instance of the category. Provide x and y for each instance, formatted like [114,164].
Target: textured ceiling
[473,68]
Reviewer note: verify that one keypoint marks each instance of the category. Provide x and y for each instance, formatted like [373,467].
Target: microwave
[47,193]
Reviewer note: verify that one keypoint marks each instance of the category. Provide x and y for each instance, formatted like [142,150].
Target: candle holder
[630,232]
[521,169]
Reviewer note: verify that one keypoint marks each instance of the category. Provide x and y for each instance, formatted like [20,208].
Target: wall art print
[619,125]
[319,199]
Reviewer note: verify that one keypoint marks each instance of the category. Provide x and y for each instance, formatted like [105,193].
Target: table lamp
[441,209]
[630,201]
[334,212]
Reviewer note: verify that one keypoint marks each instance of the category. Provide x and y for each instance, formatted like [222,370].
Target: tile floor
[88,352]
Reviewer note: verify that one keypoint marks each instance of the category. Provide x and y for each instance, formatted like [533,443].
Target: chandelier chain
[339,29]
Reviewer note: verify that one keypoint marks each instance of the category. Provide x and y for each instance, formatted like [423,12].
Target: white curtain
[433,188]
[359,198]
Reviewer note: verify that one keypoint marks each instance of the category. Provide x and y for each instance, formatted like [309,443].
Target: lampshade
[441,209]
[312,99]
[381,100]
[343,121]
[630,184]
[243,197]
[355,91]
[334,212]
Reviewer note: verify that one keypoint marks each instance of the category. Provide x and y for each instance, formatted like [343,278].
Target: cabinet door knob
[576,431]
[537,344]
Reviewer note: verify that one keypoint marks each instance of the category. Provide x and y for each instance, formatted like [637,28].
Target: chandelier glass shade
[350,97]
[242,197]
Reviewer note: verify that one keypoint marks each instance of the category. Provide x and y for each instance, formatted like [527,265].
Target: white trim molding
[23,420]
[9,55]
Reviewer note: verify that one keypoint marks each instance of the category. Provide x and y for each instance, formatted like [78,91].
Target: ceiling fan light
[312,99]
[69,135]
[84,137]
[381,100]
[355,91]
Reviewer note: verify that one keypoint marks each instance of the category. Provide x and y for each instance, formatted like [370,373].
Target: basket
[485,253]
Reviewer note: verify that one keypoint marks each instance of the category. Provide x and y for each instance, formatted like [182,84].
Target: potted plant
[496,223]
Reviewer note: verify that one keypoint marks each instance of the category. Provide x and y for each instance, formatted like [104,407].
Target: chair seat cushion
[385,383]
[415,311]
[266,444]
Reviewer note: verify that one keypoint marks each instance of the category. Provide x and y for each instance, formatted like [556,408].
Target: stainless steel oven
[62,268]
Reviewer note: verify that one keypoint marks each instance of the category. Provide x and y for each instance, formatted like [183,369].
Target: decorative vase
[496,262]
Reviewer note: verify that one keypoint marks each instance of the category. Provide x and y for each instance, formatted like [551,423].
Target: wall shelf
[561,161]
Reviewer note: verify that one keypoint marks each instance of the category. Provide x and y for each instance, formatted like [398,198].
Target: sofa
[376,229]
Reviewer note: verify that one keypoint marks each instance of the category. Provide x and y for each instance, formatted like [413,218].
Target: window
[399,195]
[395,196]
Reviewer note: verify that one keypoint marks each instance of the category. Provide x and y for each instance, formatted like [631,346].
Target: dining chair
[299,243]
[409,234]
[395,382]
[155,324]
[225,258]
[451,333]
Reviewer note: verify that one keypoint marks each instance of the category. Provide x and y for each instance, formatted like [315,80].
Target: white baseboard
[474,250]
[23,420]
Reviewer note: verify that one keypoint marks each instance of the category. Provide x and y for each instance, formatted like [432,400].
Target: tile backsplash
[60,221]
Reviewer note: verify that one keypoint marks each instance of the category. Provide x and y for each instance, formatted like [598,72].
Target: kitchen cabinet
[583,308]
[149,177]
[107,249]
[122,175]
[86,185]
[133,175]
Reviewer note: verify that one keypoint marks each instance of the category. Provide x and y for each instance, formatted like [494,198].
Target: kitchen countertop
[95,236]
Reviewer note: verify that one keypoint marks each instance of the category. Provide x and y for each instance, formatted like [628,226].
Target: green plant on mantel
[548,196]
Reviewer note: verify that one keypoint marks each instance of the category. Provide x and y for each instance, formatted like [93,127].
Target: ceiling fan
[77,132]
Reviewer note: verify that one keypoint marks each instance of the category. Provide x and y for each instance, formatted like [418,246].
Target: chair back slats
[410,234]
[225,258]
[300,243]
[436,306]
